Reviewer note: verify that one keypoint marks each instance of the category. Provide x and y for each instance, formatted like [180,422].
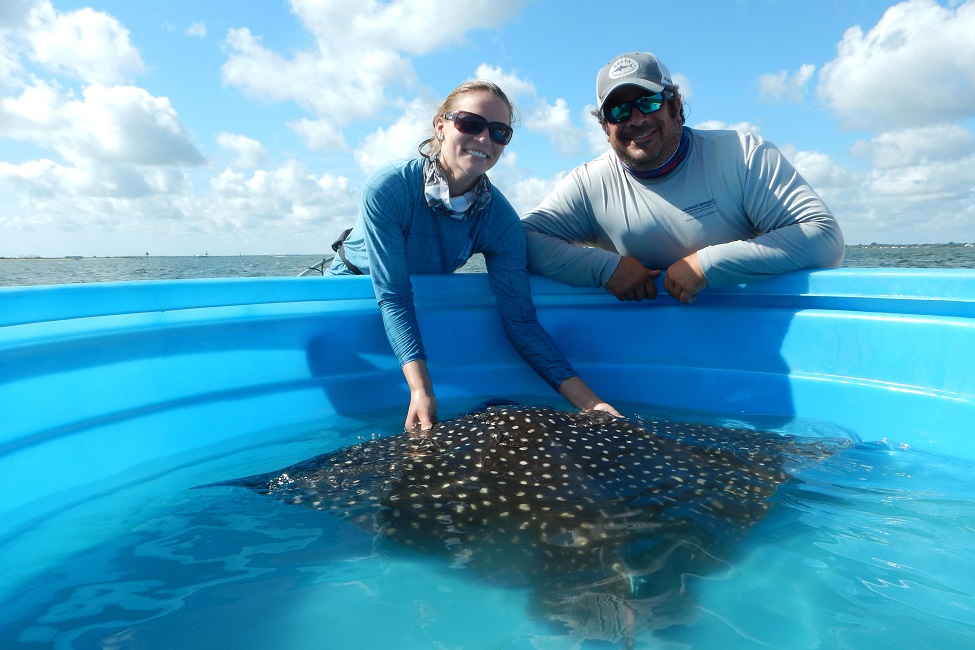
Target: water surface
[873,548]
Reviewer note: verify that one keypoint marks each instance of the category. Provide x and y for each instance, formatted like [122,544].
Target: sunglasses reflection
[647,104]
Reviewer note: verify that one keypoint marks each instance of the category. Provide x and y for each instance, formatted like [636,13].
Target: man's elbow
[835,250]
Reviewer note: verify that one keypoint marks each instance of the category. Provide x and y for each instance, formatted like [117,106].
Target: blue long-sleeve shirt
[397,234]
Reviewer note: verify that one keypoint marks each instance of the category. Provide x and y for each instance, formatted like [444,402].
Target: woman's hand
[422,413]
[423,403]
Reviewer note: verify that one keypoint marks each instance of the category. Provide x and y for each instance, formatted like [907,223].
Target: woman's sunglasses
[473,124]
[647,104]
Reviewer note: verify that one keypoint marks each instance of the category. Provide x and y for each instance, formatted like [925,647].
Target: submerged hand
[422,413]
[603,406]
[582,396]
[685,279]
[423,403]
[632,281]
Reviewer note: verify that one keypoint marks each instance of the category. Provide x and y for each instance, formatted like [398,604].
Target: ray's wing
[594,512]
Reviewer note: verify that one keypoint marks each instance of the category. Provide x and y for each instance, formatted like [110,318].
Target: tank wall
[99,382]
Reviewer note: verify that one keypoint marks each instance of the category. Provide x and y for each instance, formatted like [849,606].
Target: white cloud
[595,136]
[910,80]
[14,12]
[513,86]
[125,124]
[399,140]
[110,124]
[915,67]
[286,197]
[197,29]
[684,85]
[115,160]
[910,194]
[86,45]
[97,200]
[321,82]
[527,193]
[120,148]
[250,152]
[11,70]
[47,180]
[116,142]
[930,203]
[319,135]
[124,153]
[43,179]
[410,26]
[361,52]
[823,173]
[937,183]
[717,125]
[781,87]
[33,115]
[238,212]
[917,146]
[555,121]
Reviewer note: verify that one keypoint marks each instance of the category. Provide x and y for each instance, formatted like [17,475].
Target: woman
[429,215]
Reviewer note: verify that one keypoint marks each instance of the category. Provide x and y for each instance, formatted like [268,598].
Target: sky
[190,127]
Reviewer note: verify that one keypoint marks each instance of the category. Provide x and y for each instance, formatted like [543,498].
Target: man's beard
[640,164]
[643,162]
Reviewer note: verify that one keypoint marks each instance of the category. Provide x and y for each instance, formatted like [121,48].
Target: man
[713,208]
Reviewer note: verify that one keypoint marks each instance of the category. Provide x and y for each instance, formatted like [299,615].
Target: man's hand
[685,279]
[582,396]
[632,281]
[608,408]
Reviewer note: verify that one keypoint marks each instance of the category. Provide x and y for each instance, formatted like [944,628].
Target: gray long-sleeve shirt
[735,199]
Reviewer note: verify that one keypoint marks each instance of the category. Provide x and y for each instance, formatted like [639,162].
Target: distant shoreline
[142,257]
[321,254]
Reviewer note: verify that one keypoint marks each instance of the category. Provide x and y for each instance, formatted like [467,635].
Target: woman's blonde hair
[449,104]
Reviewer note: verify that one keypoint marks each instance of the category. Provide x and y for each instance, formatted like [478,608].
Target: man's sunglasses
[474,124]
[647,104]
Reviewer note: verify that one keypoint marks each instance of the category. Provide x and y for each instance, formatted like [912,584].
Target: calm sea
[35,271]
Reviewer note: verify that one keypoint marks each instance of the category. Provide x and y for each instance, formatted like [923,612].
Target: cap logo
[623,67]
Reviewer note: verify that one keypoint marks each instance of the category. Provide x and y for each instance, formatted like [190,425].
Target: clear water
[873,548]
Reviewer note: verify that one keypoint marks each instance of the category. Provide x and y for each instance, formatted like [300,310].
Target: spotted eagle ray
[602,517]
